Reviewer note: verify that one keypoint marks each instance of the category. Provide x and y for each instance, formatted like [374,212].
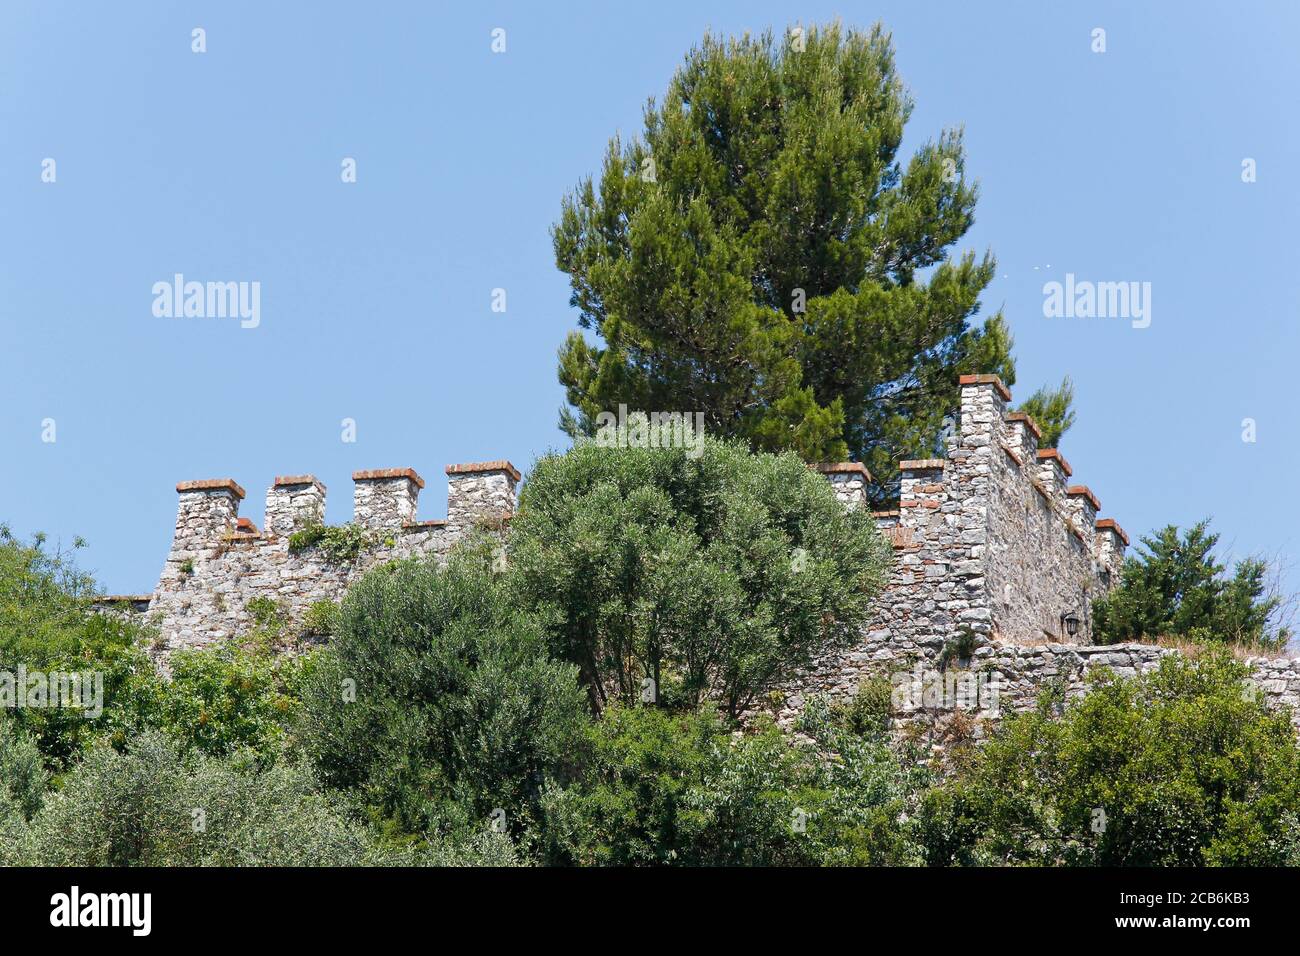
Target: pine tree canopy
[1175,587]
[763,255]
[1051,410]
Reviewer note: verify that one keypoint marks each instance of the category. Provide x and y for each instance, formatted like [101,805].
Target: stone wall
[991,545]
[220,562]
[998,559]
[998,556]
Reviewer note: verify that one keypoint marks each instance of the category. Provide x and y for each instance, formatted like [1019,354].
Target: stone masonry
[998,560]
[219,562]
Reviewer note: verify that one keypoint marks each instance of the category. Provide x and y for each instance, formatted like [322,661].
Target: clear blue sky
[376,296]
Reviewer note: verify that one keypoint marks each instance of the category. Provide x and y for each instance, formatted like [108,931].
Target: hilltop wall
[998,556]
[220,562]
[997,561]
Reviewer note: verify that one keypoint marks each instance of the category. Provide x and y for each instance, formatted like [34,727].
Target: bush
[867,713]
[152,806]
[686,788]
[321,619]
[339,543]
[47,625]
[678,788]
[437,701]
[1181,767]
[22,775]
[865,796]
[686,579]
[231,696]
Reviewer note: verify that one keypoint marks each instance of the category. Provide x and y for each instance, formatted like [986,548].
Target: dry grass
[1193,649]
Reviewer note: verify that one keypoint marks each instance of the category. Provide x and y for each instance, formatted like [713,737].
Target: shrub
[867,713]
[231,696]
[667,787]
[22,775]
[46,625]
[1181,767]
[684,788]
[340,544]
[865,797]
[152,806]
[437,700]
[321,618]
[713,577]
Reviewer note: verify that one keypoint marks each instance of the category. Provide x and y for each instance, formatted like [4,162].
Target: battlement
[994,546]
[996,552]
[219,561]
[382,499]
[1020,520]
[991,538]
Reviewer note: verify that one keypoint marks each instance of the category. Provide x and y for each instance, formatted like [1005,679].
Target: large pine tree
[762,255]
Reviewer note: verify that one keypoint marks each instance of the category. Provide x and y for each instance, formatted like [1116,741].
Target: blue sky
[375,296]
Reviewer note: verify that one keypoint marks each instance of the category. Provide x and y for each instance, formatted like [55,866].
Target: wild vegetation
[597,699]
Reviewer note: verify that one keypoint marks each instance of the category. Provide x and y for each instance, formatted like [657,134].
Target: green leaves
[1176,587]
[229,697]
[683,788]
[651,565]
[436,697]
[756,256]
[1175,768]
[340,543]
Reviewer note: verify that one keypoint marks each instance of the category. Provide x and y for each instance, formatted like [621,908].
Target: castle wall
[1041,563]
[219,563]
[993,548]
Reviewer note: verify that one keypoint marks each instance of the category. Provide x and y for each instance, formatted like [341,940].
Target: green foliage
[153,806]
[340,543]
[231,696]
[267,613]
[683,788]
[458,709]
[1181,767]
[714,576]
[679,788]
[22,773]
[41,611]
[867,713]
[865,797]
[959,647]
[1176,587]
[1052,411]
[764,255]
[321,619]
[46,625]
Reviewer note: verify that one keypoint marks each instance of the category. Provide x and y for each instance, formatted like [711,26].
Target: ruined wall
[220,562]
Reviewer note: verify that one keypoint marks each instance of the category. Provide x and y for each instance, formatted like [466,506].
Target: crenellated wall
[220,562]
[994,548]
[995,552]
[998,560]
